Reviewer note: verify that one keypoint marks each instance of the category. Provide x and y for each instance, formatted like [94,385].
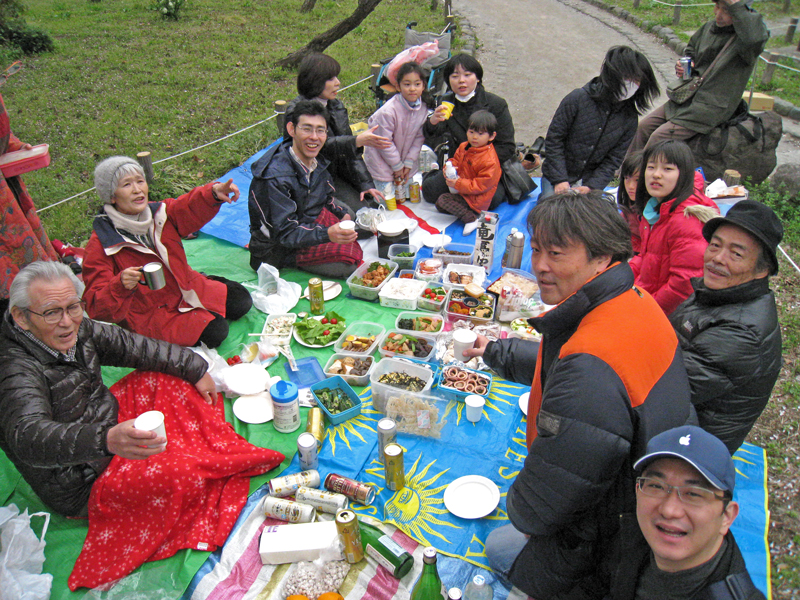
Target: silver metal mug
[154,275]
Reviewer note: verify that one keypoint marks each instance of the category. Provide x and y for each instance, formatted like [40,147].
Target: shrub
[28,39]
[168,8]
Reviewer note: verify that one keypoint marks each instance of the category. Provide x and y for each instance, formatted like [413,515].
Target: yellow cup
[391,203]
[449,106]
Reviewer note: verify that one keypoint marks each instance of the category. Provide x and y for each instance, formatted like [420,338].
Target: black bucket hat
[757,219]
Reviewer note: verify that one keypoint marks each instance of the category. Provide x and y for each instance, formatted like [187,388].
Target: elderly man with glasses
[680,545]
[294,219]
[75,442]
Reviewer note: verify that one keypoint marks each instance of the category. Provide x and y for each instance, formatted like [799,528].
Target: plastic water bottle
[478,589]
[449,170]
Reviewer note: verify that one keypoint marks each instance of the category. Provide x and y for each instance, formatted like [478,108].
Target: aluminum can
[286,510]
[316,296]
[686,63]
[355,490]
[326,502]
[307,451]
[387,434]
[413,192]
[280,487]
[393,466]
[316,425]
[350,535]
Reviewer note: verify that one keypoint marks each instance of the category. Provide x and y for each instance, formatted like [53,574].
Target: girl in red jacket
[478,172]
[673,206]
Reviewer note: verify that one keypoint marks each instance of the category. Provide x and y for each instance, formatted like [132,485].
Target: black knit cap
[757,219]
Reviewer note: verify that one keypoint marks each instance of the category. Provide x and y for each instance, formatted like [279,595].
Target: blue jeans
[502,548]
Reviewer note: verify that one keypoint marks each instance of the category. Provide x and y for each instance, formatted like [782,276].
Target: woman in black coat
[463,74]
[594,125]
[318,79]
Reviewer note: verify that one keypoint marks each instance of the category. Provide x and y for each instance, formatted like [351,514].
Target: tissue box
[281,544]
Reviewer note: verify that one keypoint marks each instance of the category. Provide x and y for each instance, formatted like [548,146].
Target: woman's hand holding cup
[343,232]
[131,277]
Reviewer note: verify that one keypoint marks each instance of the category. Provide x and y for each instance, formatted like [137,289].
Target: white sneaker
[470,227]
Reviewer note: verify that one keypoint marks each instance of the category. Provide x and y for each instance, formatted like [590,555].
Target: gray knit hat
[105,175]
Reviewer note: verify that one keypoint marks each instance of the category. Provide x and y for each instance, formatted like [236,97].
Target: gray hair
[41,270]
[124,171]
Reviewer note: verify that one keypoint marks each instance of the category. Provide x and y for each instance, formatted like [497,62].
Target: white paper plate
[300,341]
[245,379]
[330,293]
[436,240]
[523,403]
[253,409]
[472,497]
[395,226]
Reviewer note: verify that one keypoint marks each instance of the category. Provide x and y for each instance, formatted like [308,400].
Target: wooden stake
[146,161]
[280,109]
[790,30]
[676,15]
[769,70]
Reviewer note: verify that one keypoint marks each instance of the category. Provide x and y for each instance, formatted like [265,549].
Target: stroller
[384,90]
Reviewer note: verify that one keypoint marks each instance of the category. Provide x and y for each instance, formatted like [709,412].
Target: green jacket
[718,97]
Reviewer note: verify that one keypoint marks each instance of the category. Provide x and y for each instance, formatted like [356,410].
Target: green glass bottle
[428,586]
[385,551]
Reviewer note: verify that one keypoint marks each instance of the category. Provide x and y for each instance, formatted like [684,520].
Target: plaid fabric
[329,252]
[455,204]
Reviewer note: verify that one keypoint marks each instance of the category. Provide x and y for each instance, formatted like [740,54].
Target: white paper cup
[474,407]
[152,420]
[347,225]
[463,339]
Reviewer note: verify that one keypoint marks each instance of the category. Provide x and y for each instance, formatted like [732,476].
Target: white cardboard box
[282,544]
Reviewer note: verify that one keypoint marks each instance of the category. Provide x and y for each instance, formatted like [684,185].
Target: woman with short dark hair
[318,79]
[463,74]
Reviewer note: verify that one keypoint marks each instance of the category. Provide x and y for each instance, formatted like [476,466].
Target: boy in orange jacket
[478,172]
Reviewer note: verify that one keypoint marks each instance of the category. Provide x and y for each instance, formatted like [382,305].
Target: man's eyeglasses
[688,494]
[54,315]
[308,130]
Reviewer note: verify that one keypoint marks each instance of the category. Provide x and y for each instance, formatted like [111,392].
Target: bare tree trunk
[308,6]
[335,33]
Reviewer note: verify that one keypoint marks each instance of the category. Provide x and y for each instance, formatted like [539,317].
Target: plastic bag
[370,218]
[216,364]
[312,579]
[418,54]
[273,294]
[22,556]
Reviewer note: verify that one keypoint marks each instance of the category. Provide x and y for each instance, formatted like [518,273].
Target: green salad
[319,332]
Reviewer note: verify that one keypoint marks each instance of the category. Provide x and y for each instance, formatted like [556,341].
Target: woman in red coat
[131,232]
[673,206]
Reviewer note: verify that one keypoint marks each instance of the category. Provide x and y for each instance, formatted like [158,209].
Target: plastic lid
[514,230]
[479,580]
[519,235]
[308,372]
[283,391]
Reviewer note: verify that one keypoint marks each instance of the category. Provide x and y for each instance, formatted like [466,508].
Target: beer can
[307,451]
[413,192]
[280,487]
[323,501]
[393,466]
[355,490]
[316,425]
[686,63]
[316,296]
[286,510]
[387,434]
[350,535]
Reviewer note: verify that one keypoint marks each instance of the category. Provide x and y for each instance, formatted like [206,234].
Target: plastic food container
[517,295]
[419,315]
[424,303]
[422,414]
[369,293]
[478,274]
[405,274]
[382,391]
[431,339]
[443,253]
[270,331]
[357,380]
[22,161]
[338,382]
[360,329]
[487,300]
[434,273]
[401,293]
[403,262]
[445,390]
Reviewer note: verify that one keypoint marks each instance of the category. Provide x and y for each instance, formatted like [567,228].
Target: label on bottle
[382,560]
[392,546]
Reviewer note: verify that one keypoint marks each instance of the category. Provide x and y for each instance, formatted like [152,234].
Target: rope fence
[678,5]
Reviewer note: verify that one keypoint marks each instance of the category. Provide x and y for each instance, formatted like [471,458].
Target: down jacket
[478,174]
[731,342]
[284,205]
[163,314]
[402,124]
[57,413]
[346,161]
[671,251]
[610,376]
[587,139]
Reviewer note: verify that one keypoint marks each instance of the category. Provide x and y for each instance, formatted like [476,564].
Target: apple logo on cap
[684,440]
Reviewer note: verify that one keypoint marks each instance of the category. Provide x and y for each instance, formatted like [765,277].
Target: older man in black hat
[728,329]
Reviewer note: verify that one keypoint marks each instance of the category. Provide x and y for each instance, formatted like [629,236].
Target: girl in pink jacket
[400,119]
[673,206]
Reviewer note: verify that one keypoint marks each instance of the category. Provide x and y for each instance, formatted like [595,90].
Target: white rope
[174,156]
[789,258]
[777,64]
[682,5]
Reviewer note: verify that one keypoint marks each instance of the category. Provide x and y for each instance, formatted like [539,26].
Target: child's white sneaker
[470,227]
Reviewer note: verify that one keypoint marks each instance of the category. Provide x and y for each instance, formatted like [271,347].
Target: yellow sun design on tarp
[499,394]
[413,509]
[366,420]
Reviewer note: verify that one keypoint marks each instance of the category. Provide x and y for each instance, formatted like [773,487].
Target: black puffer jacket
[346,161]
[587,139]
[731,343]
[455,128]
[513,359]
[57,413]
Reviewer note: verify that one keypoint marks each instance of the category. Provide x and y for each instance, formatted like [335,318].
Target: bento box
[355,339]
[461,306]
[460,275]
[343,359]
[455,254]
[436,303]
[457,382]
[401,293]
[419,322]
[365,292]
[406,372]
[423,346]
